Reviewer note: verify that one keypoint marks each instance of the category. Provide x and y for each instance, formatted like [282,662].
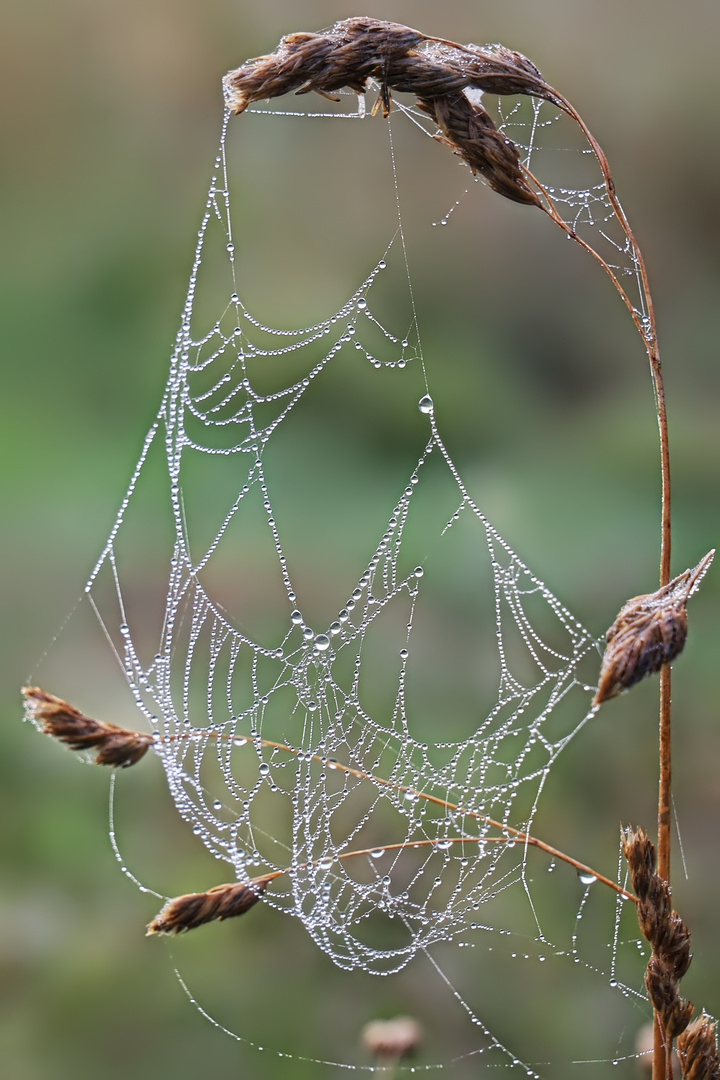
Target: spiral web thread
[277,750]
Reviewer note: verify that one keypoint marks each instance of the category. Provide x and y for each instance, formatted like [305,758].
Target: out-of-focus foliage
[111,118]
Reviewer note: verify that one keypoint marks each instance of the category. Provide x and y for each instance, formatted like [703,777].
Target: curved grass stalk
[648,333]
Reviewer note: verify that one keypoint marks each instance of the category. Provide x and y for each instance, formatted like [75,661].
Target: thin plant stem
[401,846]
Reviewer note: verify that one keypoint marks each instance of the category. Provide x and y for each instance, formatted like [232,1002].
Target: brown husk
[115,745]
[649,632]
[403,60]
[194,909]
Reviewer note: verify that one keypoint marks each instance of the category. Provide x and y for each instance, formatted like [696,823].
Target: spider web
[375,738]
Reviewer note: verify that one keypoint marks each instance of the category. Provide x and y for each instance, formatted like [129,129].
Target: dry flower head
[447,79]
[649,632]
[115,745]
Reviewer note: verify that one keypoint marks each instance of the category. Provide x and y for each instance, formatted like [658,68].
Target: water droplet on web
[376,853]
[361,305]
[308,634]
[586,877]
[382,264]
[444,845]
[418,571]
[296,618]
[263,768]
[343,616]
[335,628]
[322,642]
[240,742]
[403,654]
[426,404]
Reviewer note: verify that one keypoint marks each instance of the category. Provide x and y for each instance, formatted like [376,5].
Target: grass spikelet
[698,1051]
[194,909]
[439,73]
[666,932]
[115,745]
[649,632]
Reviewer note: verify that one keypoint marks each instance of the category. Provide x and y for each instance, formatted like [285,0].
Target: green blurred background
[111,116]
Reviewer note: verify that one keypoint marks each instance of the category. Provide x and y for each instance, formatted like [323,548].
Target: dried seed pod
[193,909]
[115,745]
[649,631]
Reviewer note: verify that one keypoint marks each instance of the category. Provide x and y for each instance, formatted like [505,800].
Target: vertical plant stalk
[662,1064]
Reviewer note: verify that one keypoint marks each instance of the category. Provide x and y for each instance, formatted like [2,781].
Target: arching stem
[648,332]
[518,838]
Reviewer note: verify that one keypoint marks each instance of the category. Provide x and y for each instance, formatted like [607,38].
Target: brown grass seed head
[650,631]
[115,745]
[447,80]
[194,909]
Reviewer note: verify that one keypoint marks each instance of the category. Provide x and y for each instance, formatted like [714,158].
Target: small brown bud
[649,632]
[115,746]
[193,909]
[392,1040]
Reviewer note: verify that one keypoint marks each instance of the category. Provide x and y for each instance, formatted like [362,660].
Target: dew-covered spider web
[353,679]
